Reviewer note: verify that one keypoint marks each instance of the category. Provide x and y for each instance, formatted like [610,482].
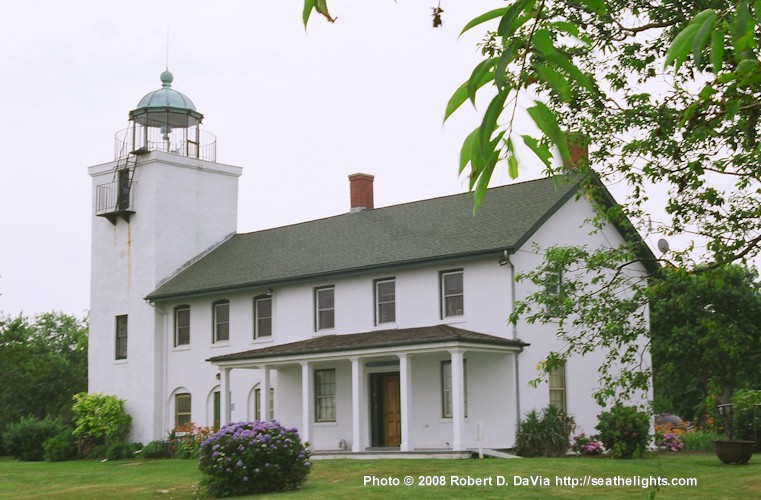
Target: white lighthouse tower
[161,202]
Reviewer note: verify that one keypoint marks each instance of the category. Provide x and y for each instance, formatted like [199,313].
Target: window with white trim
[258,404]
[181,325]
[182,406]
[221,321]
[452,294]
[324,308]
[385,301]
[446,388]
[262,317]
[557,387]
[325,395]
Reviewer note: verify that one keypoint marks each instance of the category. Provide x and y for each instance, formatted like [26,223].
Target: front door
[391,409]
[386,417]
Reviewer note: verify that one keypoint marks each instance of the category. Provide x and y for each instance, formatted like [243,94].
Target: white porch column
[356,396]
[306,402]
[405,400]
[224,397]
[458,400]
[264,394]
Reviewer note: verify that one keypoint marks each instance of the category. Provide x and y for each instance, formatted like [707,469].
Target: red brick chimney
[361,187]
[578,146]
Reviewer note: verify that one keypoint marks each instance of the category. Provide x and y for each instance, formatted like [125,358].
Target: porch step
[497,454]
[390,454]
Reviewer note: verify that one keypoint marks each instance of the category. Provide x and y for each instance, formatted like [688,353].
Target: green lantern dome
[166,106]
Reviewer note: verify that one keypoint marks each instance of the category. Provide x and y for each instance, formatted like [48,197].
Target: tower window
[121,337]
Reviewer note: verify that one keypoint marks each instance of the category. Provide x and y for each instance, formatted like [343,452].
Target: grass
[337,479]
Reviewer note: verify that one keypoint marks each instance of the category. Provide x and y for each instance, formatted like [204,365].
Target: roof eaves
[242,356]
[152,297]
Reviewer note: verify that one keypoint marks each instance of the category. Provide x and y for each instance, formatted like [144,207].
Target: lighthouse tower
[163,201]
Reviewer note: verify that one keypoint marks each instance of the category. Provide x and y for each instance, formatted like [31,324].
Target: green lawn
[344,478]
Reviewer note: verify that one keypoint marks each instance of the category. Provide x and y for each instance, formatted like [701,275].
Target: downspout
[515,337]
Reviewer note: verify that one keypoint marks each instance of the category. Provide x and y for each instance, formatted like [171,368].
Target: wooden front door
[391,410]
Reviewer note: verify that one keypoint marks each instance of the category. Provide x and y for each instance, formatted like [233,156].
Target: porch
[405,392]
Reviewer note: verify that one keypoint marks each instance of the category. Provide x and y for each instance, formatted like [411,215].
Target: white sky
[298,111]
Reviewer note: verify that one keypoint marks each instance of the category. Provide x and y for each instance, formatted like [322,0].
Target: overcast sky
[298,111]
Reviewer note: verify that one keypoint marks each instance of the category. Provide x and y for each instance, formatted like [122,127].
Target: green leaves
[691,40]
[547,123]
[320,6]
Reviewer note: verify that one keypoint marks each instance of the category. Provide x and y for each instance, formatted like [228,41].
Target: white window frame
[325,395]
[379,303]
[446,388]
[178,414]
[258,403]
[216,323]
[177,326]
[557,382]
[318,317]
[258,317]
[447,295]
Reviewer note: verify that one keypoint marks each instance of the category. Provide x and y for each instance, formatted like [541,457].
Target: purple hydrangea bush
[253,457]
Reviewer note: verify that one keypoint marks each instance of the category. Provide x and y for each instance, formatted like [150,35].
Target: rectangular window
[221,313]
[557,387]
[452,301]
[385,301]
[121,337]
[325,395]
[182,410]
[181,325]
[324,299]
[446,388]
[262,317]
[553,289]
[258,404]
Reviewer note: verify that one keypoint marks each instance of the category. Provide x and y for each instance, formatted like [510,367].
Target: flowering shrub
[253,457]
[671,442]
[185,440]
[587,445]
[624,430]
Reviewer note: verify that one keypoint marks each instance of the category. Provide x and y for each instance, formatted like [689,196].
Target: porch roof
[373,340]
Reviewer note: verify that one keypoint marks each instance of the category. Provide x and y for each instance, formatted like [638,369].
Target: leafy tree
[43,362]
[665,94]
[706,337]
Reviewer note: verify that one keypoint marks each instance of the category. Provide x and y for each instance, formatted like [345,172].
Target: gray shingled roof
[422,231]
[370,340]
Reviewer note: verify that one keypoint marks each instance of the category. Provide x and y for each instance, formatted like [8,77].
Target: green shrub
[624,430]
[253,457]
[25,439]
[121,450]
[546,435]
[699,440]
[60,448]
[746,418]
[156,449]
[99,420]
